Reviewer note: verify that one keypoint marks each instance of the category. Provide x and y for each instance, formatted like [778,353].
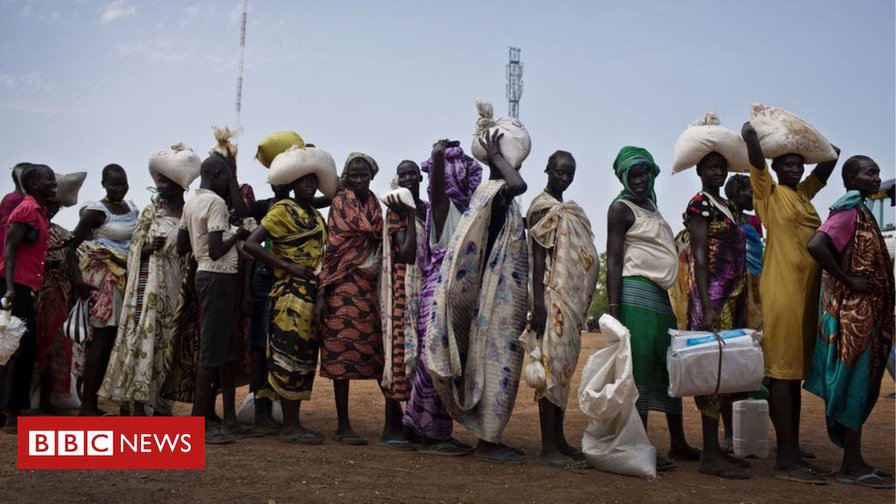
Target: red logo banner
[111,443]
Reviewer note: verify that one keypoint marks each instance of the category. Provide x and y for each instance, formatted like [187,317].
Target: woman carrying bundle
[137,365]
[403,252]
[716,293]
[297,235]
[453,178]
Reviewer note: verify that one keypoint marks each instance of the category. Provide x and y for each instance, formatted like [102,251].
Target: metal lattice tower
[514,82]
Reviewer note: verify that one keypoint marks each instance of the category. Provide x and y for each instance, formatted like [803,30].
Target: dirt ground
[264,470]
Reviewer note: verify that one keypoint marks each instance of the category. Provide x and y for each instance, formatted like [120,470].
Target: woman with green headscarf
[642,264]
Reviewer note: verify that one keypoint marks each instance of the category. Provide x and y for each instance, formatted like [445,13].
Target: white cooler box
[694,359]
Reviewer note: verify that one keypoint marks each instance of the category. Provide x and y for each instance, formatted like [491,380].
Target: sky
[87,83]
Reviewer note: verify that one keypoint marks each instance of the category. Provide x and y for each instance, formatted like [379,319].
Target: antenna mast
[239,76]
[514,82]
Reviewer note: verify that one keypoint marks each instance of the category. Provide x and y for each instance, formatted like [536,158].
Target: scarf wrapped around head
[343,177]
[629,157]
[462,176]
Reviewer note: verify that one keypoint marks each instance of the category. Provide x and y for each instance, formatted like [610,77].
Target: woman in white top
[641,264]
[102,238]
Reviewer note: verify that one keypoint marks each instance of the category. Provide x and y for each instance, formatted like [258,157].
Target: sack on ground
[515,144]
[11,331]
[246,413]
[276,143]
[781,132]
[695,358]
[705,136]
[615,439]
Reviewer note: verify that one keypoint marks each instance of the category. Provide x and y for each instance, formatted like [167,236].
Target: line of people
[430,298]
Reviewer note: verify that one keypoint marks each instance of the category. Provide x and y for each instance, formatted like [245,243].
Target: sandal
[559,461]
[664,464]
[445,449]
[801,475]
[242,431]
[501,457]
[350,439]
[870,480]
[307,438]
[398,445]
[729,471]
[216,438]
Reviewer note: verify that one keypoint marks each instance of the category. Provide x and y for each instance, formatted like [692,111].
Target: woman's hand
[438,148]
[395,203]
[860,285]
[710,320]
[299,271]
[8,299]
[539,319]
[747,130]
[492,143]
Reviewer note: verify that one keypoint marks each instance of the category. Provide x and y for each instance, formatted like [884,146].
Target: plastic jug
[751,428]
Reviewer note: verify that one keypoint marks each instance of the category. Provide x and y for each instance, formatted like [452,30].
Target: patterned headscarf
[462,176]
[629,157]
[343,177]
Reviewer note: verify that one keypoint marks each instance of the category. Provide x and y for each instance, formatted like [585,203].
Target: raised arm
[823,171]
[754,150]
[619,219]
[439,202]
[90,220]
[515,185]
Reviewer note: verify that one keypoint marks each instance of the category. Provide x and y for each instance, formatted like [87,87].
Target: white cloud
[31,82]
[118,9]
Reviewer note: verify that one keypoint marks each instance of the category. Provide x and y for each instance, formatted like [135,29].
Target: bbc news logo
[111,443]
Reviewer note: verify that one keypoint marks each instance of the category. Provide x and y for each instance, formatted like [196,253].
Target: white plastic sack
[246,413]
[533,372]
[67,187]
[404,196]
[75,326]
[515,144]
[179,164]
[693,363]
[295,163]
[66,401]
[11,331]
[614,440]
[781,132]
[705,136]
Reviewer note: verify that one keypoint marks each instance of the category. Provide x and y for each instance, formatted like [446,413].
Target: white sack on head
[179,163]
[67,187]
[705,136]
[515,144]
[295,163]
[781,132]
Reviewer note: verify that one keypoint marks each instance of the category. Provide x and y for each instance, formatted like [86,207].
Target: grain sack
[179,163]
[68,185]
[296,162]
[515,145]
[706,136]
[781,132]
[276,143]
[404,196]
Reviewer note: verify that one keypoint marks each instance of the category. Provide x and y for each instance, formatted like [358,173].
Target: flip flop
[517,451]
[398,445]
[559,461]
[463,446]
[216,438]
[350,439]
[689,455]
[502,457]
[664,464]
[824,472]
[801,475]
[732,472]
[577,455]
[243,431]
[870,480]
[303,438]
[445,449]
